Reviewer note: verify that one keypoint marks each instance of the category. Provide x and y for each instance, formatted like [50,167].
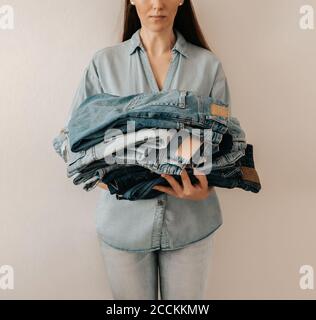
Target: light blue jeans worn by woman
[179,274]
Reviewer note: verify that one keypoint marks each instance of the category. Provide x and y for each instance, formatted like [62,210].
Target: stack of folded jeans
[127,142]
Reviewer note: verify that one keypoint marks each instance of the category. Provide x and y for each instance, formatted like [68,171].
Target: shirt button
[160,202]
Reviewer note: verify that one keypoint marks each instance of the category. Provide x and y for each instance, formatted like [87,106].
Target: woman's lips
[157,17]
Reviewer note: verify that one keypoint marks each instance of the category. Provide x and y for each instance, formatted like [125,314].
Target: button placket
[157,227]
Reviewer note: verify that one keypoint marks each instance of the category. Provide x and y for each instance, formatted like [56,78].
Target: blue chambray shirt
[164,222]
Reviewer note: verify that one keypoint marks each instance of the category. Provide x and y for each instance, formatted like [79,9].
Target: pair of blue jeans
[78,160]
[135,182]
[174,165]
[179,274]
[165,109]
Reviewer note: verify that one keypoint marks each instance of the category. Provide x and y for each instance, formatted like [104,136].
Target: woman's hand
[103,185]
[198,191]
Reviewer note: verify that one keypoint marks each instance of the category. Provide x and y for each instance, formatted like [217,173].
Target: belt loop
[182,99]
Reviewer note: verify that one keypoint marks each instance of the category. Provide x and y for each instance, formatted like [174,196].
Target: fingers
[103,185]
[173,183]
[187,185]
[176,189]
[201,177]
[164,189]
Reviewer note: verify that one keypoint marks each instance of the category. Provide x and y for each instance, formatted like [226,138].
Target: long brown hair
[185,21]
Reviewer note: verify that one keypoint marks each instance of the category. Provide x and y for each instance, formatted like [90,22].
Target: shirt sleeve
[220,89]
[89,85]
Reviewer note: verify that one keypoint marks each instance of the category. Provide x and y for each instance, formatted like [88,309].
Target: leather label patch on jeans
[250,174]
[217,110]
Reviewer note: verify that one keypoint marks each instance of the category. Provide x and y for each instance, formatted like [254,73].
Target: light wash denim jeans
[172,274]
[166,109]
[136,143]
[152,138]
[167,160]
[141,146]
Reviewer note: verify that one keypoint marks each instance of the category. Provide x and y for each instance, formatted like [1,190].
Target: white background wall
[47,224]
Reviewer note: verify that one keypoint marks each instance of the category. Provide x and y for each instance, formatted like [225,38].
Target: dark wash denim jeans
[166,109]
[135,182]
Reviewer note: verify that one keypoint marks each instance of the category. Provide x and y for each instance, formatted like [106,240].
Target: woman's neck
[157,43]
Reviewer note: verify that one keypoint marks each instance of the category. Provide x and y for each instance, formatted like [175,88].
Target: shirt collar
[180,45]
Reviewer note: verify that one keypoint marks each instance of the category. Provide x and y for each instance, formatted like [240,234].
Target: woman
[165,241]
